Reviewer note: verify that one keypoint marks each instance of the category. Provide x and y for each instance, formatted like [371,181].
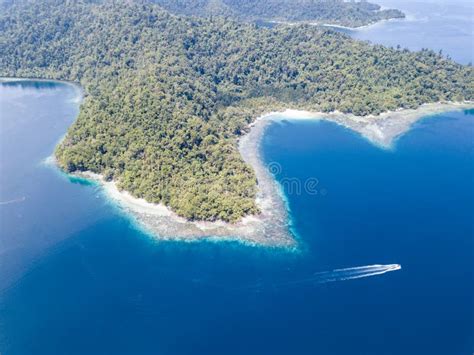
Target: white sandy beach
[272,226]
[341,27]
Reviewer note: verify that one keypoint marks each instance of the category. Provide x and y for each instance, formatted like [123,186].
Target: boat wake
[323,277]
[351,273]
[17,200]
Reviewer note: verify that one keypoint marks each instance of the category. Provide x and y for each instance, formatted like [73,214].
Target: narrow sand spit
[273,226]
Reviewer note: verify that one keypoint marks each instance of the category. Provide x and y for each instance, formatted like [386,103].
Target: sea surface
[77,276]
[446,25]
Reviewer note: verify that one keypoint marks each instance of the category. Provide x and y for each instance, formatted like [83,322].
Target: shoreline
[408,18]
[339,27]
[80,92]
[75,84]
[272,227]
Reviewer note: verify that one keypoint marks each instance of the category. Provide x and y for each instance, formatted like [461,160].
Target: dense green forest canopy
[167,97]
[339,12]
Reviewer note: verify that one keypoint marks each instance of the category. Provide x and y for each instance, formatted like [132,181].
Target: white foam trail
[321,277]
[350,273]
[21,199]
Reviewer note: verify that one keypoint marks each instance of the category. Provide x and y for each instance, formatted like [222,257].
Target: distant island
[334,12]
[169,97]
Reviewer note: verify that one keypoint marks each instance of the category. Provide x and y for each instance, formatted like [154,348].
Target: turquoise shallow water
[78,277]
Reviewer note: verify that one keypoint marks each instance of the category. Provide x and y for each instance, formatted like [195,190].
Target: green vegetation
[167,96]
[339,12]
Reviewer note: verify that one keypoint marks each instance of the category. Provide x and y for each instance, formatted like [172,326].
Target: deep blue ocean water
[446,25]
[78,277]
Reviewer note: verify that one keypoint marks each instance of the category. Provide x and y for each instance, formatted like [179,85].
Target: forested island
[336,12]
[168,96]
